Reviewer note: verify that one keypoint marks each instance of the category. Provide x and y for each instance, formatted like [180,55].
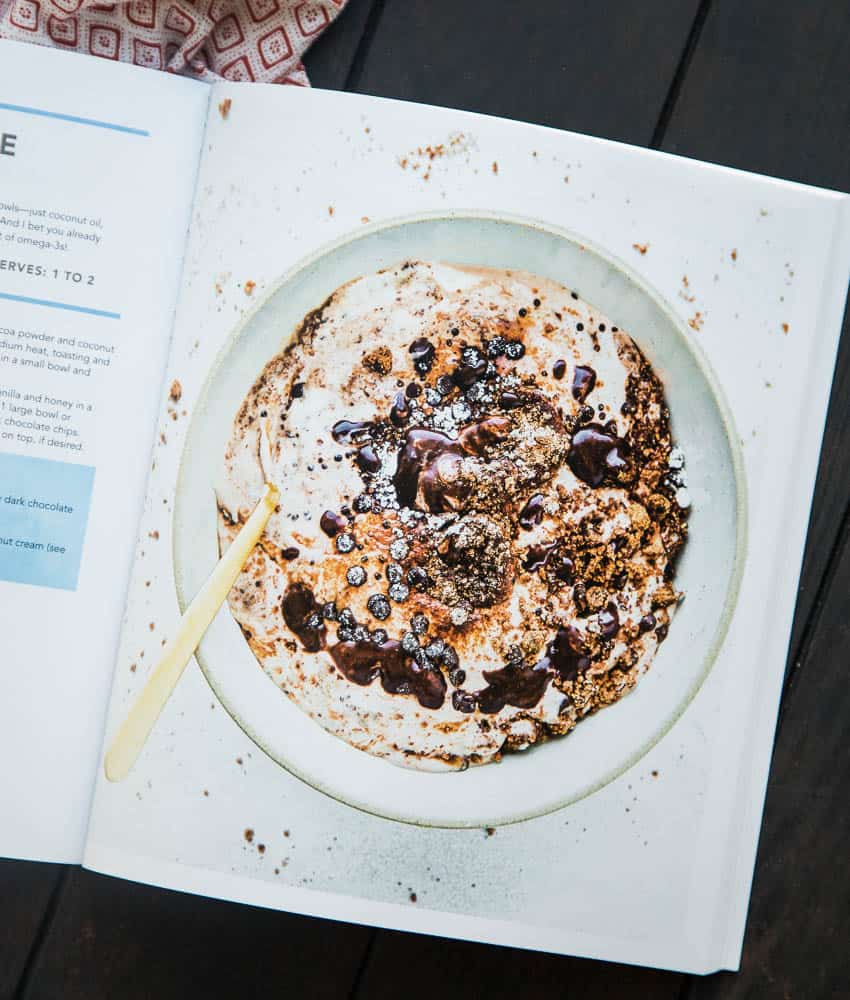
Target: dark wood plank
[796,943]
[831,506]
[457,970]
[329,60]
[767,90]
[598,68]
[111,938]
[25,892]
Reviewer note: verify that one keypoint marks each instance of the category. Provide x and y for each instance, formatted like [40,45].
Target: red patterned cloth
[260,40]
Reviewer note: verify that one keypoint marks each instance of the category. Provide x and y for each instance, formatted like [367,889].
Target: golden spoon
[134,731]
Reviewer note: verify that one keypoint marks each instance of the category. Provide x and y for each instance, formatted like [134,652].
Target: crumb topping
[483,508]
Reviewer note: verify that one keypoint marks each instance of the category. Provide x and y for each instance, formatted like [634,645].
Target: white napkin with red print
[261,40]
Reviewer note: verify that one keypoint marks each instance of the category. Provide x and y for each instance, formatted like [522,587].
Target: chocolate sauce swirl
[523,685]
[532,512]
[566,654]
[332,523]
[597,454]
[536,556]
[518,685]
[432,460]
[362,662]
[303,616]
[584,380]
[346,431]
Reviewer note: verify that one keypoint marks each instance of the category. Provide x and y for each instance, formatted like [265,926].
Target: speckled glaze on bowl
[603,746]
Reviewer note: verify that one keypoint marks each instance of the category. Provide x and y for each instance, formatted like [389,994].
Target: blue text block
[44,507]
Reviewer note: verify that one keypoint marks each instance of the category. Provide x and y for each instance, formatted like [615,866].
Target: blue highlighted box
[44,508]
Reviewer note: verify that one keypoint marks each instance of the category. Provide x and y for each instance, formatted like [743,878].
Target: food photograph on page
[448,563]
[484,508]
[446,570]
[486,513]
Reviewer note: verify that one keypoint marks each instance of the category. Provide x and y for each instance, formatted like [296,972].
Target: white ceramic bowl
[601,747]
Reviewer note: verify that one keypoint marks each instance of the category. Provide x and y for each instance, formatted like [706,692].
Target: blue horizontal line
[40,113]
[59,305]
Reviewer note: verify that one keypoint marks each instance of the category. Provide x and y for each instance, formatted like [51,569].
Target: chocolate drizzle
[303,615]
[537,556]
[566,654]
[478,437]
[597,454]
[584,380]
[516,684]
[558,563]
[510,401]
[647,623]
[532,512]
[367,459]
[422,351]
[564,568]
[362,662]
[346,431]
[609,621]
[420,458]
[332,523]
[400,410]
[468,373]
[433,460]
[523,685]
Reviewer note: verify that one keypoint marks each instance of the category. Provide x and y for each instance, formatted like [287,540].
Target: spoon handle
[134,731]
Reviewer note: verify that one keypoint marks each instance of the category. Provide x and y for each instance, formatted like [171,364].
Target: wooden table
[758,84]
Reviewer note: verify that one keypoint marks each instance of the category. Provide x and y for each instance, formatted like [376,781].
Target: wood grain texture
[797,941]
[458,970]
[831,506]
[329,60]
[591,67]
[111,938]
[768,89]
[25,892]
[765,88]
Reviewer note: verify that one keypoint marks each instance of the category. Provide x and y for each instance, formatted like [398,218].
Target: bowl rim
[739,478]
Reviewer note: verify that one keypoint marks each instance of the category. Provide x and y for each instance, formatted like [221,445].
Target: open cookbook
[401,510]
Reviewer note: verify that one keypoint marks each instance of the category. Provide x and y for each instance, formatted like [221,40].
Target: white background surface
[655,868]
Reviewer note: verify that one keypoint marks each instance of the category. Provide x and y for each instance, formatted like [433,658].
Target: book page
[97,172]
[506,662]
